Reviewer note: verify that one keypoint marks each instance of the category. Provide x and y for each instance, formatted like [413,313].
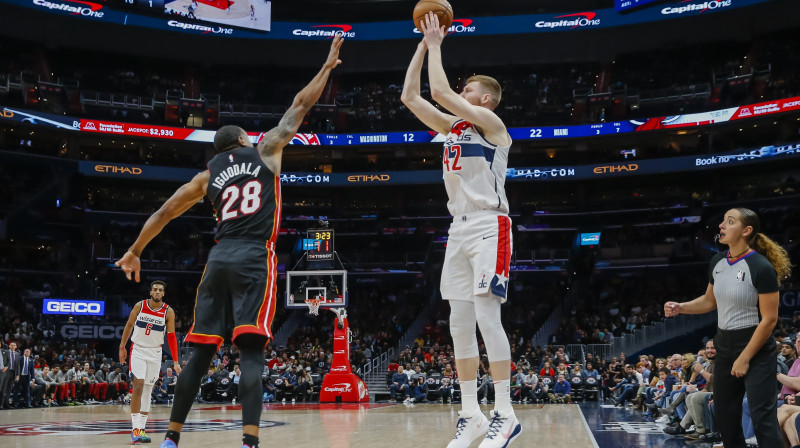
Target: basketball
[441,8]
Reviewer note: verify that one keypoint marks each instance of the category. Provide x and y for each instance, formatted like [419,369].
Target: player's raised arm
[441,92]
[183,199]
[419,106]
[273,142]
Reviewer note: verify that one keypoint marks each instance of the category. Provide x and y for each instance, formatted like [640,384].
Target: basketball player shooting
[147,322]
[239,284]
[476,264]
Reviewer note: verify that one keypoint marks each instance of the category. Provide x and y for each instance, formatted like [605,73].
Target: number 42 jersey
[245,194]
[474,171]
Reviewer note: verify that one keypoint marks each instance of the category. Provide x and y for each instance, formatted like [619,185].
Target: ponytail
[773,252]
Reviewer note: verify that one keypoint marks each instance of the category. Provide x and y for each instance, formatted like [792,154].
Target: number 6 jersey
[150,326]
[474,171]
[245,194]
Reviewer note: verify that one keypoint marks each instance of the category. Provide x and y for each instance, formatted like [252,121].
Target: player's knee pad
[147,391]
[462,329]
[494,336]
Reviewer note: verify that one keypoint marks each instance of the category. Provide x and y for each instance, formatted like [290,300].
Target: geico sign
[115,169]
[89,331]
[615,168]
[91,11]
[74,307]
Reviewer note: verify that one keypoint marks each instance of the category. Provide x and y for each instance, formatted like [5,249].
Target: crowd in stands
[640,83]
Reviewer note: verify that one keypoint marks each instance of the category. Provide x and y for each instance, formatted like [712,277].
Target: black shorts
[239,287]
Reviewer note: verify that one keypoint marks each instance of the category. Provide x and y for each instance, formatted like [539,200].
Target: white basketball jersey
[474,171]
[150,326]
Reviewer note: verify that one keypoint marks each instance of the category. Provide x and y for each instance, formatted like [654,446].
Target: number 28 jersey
[474,171]
[246,195]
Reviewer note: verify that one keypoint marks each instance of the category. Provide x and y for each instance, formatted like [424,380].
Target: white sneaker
[503,430]
[468,429]
[663,419]
[751,441]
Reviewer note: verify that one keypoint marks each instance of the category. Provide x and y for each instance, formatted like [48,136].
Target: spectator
[399,384]
[561,391]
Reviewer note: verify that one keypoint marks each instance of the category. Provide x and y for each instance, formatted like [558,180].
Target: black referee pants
[760,383]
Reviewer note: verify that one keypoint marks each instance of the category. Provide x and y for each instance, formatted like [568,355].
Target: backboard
[330,286]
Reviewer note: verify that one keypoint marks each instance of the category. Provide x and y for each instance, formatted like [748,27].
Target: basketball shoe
[503,430]
[469,428]
[136,437]
[144,436]
[168,443]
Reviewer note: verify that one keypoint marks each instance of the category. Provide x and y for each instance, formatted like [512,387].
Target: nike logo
[510,432]
[487,237]
[717,272]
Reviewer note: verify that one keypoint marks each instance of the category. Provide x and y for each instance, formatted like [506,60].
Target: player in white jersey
[476,264]
[148,321]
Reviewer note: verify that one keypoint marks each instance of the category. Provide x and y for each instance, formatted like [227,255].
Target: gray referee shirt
[737,285]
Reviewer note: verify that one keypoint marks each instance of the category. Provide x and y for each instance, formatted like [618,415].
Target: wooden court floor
[290,425]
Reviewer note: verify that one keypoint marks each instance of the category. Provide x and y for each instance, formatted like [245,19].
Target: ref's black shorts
[239,286]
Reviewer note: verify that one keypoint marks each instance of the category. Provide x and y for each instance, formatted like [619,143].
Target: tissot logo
[328,31]
[202,28]
[459,26]
[88,10]
[576,20]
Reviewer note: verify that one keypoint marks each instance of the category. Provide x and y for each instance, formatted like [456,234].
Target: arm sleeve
[172,340]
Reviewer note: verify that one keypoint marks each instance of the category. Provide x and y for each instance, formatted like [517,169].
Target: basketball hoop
[313,306]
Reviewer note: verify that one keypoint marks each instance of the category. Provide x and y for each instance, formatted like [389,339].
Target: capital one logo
[459,26]
[696,7]
[340,387]
[90,10]
[327,31]
[339,369]
[576,20]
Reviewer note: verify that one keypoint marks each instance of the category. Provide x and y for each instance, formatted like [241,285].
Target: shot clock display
[319,244]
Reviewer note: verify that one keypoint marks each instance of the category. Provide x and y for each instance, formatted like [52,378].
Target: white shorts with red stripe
[478,256]
[145,363]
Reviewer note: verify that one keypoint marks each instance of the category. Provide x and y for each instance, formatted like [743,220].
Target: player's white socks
[502,396]
[142,420]
[135,420]
[469,397]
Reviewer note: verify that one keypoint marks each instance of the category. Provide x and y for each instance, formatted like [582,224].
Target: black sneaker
[674,431]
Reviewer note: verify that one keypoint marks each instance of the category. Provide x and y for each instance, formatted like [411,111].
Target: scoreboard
[319,243]
[624,5]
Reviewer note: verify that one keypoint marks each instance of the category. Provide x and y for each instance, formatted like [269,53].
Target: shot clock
[319,244]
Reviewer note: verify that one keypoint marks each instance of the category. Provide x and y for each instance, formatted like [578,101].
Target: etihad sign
[576,20]
[344,30]
[91,10]
[699,7]
[116,169]
[616,168]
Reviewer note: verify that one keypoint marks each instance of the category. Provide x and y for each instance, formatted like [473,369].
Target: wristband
[172,340]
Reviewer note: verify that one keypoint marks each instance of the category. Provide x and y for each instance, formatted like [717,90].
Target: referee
[743,287]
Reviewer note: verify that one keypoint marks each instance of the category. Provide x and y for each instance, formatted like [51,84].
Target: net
[313,306]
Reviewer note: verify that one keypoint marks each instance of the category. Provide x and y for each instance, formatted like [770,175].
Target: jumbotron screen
[250,14]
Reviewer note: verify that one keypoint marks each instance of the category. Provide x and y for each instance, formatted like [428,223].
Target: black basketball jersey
[246,195]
